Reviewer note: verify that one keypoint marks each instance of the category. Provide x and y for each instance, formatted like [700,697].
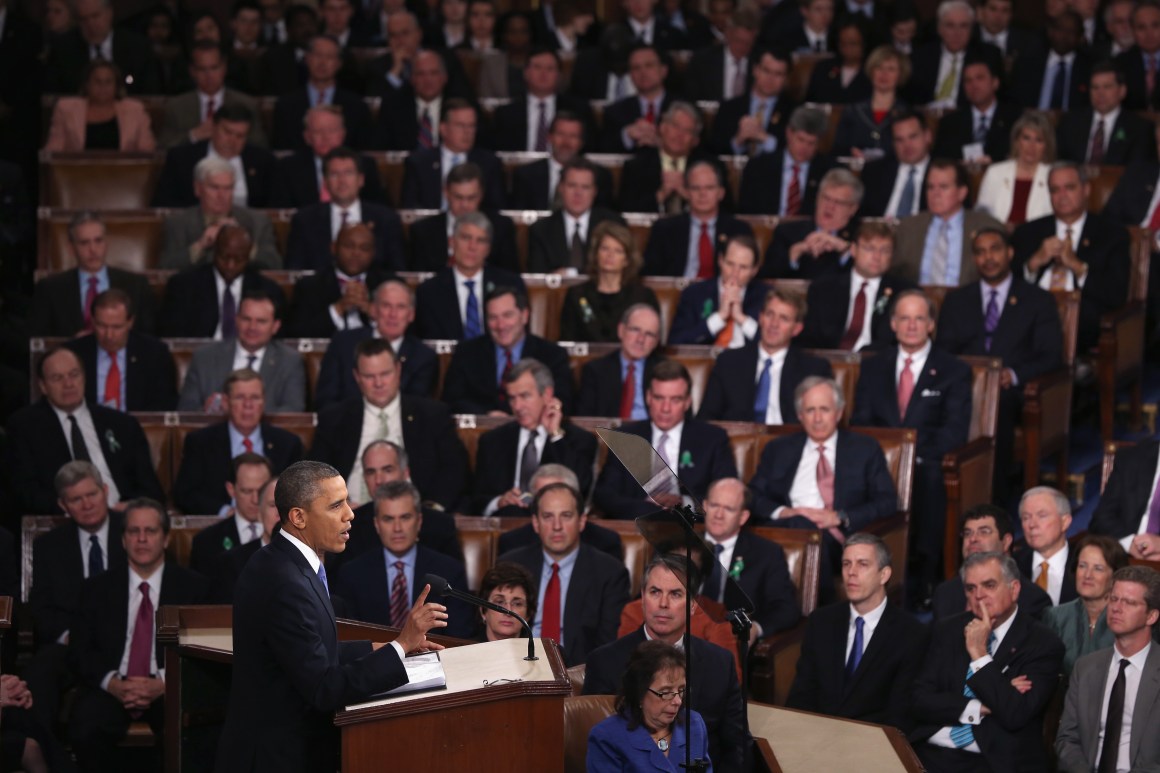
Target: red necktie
[141,646]
[857,319]
[825,478]
[323,192]
[793,194]
[249,445]
[210,109]
[507,368]
[705,253]
[628,393]
[650,114]
[905,387]
[550,622]
[113,385]
[90,296]
[399,601]
[1154,221]
[1096,151]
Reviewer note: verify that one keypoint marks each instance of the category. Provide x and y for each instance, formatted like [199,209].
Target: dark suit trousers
[99,722]
[939,759]
[48,675]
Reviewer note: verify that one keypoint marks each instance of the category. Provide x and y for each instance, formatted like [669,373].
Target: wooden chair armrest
[967,479]
[772,664]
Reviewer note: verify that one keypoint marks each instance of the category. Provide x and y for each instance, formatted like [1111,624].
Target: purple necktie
[229,315]
[992,319]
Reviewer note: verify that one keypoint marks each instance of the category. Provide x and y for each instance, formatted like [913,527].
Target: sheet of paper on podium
[424,673]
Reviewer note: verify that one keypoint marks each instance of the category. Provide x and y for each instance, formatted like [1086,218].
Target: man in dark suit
[561,241]
[509,455]
[241,520]
[450,304]
[63,426]
[1065,68]
[937,66]
[124,370]
[785,182]
[94,37]
[816,247]
[381,585]
[523,123]
[281,67]
[581,590]
[986,528]
[323,59]
[757,382]
[1076,249]
[431,237]
[613,385]
[228,568]
[1046,515]
[722,71]
[865,676]
[650,183]
[994,26]
[112,640]
[1002,316]
[689,243]
[722,311]
[1137,60]
[327,302]
[981,129]
[62,302]
[426,170]
[231,127]
[914,385]
[395,68]
[987,678]
[299,180]
[756,564]
[1104,133]
[314,228]
[630,124]
[203,300]
[535,184]
[1126,507]
[896,185]
[392,310]
[754,121]
[409,115]
[472,383]
[698,452]
[422,426]
[647,26]
[279,716]
[716,695]
[207,453]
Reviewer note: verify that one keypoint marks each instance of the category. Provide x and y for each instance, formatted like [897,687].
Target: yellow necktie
[1041,580]
[948,83]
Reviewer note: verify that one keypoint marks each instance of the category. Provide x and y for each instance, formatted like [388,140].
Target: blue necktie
[964,735]
[96,558]
[906,198]
[855,651]
[471,327]
[761,400]
[322,576]
[1058,86]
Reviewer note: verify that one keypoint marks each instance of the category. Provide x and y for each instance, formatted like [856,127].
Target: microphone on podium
[440,588]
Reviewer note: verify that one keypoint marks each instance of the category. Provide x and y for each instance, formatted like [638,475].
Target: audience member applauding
[753,122]
[723,311]
[101,118]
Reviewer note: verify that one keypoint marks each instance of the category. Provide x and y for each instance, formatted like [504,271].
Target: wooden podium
[498,712]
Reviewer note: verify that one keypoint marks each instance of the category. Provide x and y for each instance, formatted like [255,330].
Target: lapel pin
[1086,243]
[933,372]
[1011,301]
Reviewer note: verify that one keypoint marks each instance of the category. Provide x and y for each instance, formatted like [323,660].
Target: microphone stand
[444,589]
[698,765]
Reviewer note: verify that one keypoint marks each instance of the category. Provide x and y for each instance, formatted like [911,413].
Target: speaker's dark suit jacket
[958,128]
[924,83]
[788,233]
[641,179]
[200,488]
[213,542]
[716,695]
[621,114]
[438,459]
[596,594]
[732,388]
[950,599]
[37,447]
[56,303]
[828,304]
[438,532]
[296,181]
[58,571]
[1131,63]
[600,384]
[1028,338]
[1067,591]
[175,185]
[281,710]
[1129,202]
[549,246]
[336,375]
[705,456]
[698,302]
[878,178]
[429,251]
[309,245]
[765,580]
[1104,247]
[761,184]
[423,179]
[68,57]
[1129,140]
[530,187]
[192,308]
[729,116]
[291,107]
[879,691]
[1125,499]
[309,315]
[499,448]
[437,314]
[1025,90]
[863,488]
[150,376]
[1011,738]
[362,584]
[667,252]
[470,385]
[510,121]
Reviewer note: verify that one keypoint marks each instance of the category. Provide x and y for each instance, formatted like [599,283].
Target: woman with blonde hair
[1015,191]
[864,130]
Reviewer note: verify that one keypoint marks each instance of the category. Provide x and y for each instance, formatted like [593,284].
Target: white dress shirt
[870,622]
[242,358]
[900,183]
[742,334]
[433,107]
[672,449]
[1109,120]
[804,491]
[917,362]
[1071,282]
[245,532]
[235,289]
[203,101]
[947,63]
[102,535]
[643,32]
[1132,675]
[731,67]
[93,445]
[372,430]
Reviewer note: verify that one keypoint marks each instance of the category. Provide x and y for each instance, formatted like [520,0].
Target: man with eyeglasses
[819,246]
[613,385]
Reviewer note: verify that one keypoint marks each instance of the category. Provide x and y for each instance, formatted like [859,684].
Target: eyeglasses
[668,695]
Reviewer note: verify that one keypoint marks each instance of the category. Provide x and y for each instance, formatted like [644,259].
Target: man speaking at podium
[291,674]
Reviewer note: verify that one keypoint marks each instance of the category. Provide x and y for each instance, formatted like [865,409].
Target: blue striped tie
[964,735]
[471,326]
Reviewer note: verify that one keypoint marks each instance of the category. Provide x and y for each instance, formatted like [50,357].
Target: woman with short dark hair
[1082,623]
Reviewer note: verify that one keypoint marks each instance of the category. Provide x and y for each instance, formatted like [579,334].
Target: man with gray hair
[654,179]
[299,179]
[1046,515]
[613,384]
[988,677]
[818,246]
[937,67]
[785,181]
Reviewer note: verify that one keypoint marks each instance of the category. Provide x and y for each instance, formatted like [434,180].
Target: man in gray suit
[189,116]
[934,247]
[280,367]
[1114,729]
[190,233]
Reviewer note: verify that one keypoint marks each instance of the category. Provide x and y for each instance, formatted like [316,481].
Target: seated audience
[722,71]
[408,116]
[522,124]
[981,130]
[1105,133]
[752,122]
[241,521]
[322,60]
[815,247]
[995,26]
[722,311]
[501,73]
[630,121]
[431,237]
[613,384]
[645,24]
[656,179]
[230,564]
[535,185]
[786,182]
[599,537]
[842,80]
[896,184]
[1129,507]
[1139,60]
[1057,75]
[23,750]
[866,128]
[95,38]
[815,34]
[189,116]
[425,172]
[299,178]
[595,310]
[1082,623]
[560,242]
[101,118]
[510,586]
[1045,514]
[1015,191]
[938,64]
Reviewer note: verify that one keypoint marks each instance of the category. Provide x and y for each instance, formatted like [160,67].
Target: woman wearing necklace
[1082,622]
[647,732]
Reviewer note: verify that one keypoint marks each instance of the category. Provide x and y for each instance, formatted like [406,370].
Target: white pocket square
[931,393]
